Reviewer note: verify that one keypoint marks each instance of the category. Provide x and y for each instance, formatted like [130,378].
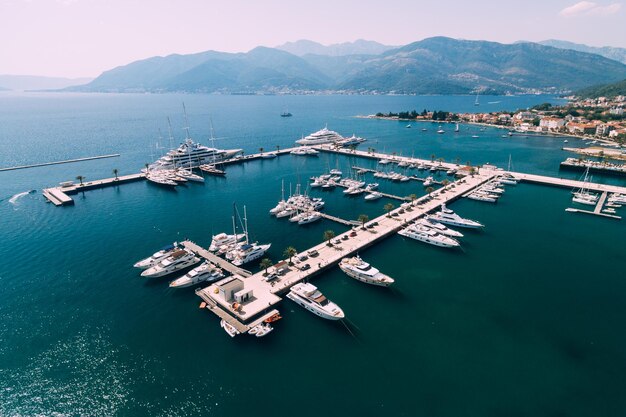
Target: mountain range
[605,90]
[617,54]
[358,47]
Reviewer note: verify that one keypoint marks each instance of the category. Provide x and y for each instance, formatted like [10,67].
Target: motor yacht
[222,239]
[449,217]
[360,270]
[249,252]
[206,272]
[161,254]
[308,296]
[320,137]
[428,235]
[178,260]
[310,217]
[374,195]
[439,227]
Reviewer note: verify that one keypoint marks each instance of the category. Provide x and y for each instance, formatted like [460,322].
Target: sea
[525,320]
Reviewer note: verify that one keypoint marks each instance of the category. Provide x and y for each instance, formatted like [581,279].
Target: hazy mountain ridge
[34,82]
[610,52]
[432,66]
[359,47]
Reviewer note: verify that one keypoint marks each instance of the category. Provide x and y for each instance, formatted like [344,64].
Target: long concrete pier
[263,295]
[211,257]
[60,196]
[68,161]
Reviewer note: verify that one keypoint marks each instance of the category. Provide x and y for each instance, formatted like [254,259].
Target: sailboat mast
[245,221]
[186,128]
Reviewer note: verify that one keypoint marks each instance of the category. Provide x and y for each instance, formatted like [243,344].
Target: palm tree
[261,150]
[440,160]
[265,264]
[277,148]
[445,185]
[80,178]
[115,171]
[363,218]
[432,157]
[412,197]
[388,207]
[147,168]
[290,252]
[429,190]
[328,235]
[457,160]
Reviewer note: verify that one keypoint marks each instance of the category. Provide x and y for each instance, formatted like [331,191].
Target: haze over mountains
[32,82]
[617,54]
[437,65]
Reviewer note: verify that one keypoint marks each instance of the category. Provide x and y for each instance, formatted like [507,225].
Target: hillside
[606,90]
[431,66]
[617,54]
[358,47]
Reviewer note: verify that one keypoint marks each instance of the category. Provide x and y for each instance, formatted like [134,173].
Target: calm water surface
[526,320]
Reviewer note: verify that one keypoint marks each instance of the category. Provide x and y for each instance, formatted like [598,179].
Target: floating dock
[60,196]
[211,257]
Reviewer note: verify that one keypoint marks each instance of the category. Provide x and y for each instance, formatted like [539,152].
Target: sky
[83,38]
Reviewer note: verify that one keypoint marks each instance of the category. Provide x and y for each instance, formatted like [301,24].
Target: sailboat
[476,103]
[583,196]
[211,168]
[247,252]
[508,178]
[456,129]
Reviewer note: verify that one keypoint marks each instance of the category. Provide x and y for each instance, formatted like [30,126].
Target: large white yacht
[205,272]
[449,217]
[320,137]
[360,270]
[428,235]
[157,256]
[222,239]
[249,252]
[191,154]
[308,296]
[439,227]
[176,261]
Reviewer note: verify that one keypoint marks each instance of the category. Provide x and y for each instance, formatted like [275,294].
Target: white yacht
[360,270]
[155,178]
[351,141]
[222,239]
[205,272]
[308,296]
[439,227]
[428,235]
[189,175]
[178,260]
[320,137]
[261,329]
[482,196]
[249,252]
[310,218]
[269,155]
[449,217]
[508,180]
[374,195]
[304,151]
[191,154]
[583,195]
[428,181]
[163,253]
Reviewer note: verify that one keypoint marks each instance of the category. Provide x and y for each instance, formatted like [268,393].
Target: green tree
[290,252]
[265,264]
[80,178]
[261,150]
[429,190]
[432,157]
[363,218]
[388,207]
[115,172]
[413,197]
[328,235]
[277,148]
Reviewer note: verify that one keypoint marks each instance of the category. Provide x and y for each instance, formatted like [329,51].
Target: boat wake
[13,200]
[494,102]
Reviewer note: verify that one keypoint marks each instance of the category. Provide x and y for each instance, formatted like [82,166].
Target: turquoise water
[526,320]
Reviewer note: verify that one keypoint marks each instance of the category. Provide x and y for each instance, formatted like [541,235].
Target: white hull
[448,242]
[317,311]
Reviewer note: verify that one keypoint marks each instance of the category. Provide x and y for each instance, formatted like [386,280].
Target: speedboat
[375,195]
[449,217]
[428,181]
[308,296]
[371,186]
[205,272]
[268,155]
[178,260]
[335,172]
[360,270]
[222,239]
[163,253]
[229,328]
[384,161]
[439,227]
[508,179]
[188,175]
[480,196]
[261,329]
[428,235]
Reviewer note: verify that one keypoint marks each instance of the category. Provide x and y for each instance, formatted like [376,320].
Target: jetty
[211,257]
[67,161]
[602,167]
[60,196]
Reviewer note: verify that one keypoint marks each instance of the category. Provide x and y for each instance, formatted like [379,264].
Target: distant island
[437,65]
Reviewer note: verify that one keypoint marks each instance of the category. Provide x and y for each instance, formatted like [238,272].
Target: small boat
[212,170]
[478,196]
[188,175]
[441,131]
[261,329]
[229,328]
[565,141]
[268,155]
[310,218]
[609,210]
[428,181]
[424,129]
[408,126]
[475,136]
[371,186]
[274,317]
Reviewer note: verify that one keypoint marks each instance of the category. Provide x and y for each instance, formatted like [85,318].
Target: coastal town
[599,118]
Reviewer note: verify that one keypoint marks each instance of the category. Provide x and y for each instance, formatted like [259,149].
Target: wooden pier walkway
[68,161]
[601,201]
[211,257]
[59,196]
